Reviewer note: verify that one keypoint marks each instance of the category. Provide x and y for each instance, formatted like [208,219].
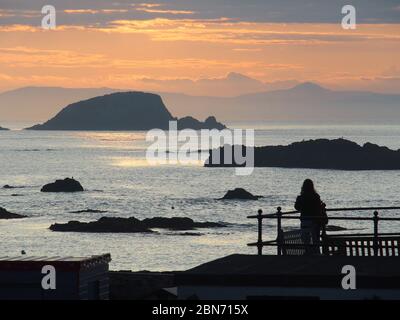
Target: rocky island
[239,194]
[122,111]
[3,129]
[338,154]
[66,185]
[133,225]
[5,215]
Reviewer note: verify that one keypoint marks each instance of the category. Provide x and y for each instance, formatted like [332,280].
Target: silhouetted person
[312,216]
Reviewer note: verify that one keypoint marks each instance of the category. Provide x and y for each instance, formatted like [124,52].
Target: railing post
[259,242]
[376,220]
[279,230]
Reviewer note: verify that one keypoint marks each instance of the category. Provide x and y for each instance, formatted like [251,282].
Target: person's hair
[308,187]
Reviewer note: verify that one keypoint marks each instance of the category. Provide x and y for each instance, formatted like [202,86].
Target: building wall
[243,293]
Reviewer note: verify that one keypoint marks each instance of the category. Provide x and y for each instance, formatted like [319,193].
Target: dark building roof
[293,271]
[61,263]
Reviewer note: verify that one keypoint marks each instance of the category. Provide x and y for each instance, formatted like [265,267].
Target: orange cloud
[91,11]
[126,51]
[165,11]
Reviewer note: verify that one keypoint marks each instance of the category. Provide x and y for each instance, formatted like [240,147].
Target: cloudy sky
[219,47]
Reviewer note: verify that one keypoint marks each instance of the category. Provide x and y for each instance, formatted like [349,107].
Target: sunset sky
[200,46]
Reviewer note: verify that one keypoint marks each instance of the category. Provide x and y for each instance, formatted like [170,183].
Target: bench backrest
[291,243]
[361,246]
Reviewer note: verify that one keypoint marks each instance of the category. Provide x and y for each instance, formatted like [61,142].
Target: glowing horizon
[179,49]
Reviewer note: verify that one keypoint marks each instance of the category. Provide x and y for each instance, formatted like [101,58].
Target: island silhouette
[339,154]
[122,111]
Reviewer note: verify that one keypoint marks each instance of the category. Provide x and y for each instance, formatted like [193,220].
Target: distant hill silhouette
[4,129]
[307,102]
[37,104]
[337,154]
[117,112]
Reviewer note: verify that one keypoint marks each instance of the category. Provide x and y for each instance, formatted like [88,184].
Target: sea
[118,180]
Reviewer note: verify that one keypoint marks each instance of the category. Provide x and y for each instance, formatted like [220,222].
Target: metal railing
[290,215]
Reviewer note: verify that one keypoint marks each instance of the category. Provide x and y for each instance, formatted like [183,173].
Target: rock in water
[132,225]
[4,214]
[178,223]
[240,194]
[66,185]
[103,225]
[88,211]
[335,228]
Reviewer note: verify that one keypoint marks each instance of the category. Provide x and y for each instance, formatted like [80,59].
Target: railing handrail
[272,215]
[279,215]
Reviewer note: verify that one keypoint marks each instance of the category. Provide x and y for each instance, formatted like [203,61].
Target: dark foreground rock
[4,214]
[339,154]
[239,194]
[66,185]
[143,285]
[132,225]
[3,129]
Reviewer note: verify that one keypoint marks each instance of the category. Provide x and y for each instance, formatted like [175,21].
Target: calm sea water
[112,168]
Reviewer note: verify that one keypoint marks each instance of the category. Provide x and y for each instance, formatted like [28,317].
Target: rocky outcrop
[66,185]
[7,186]
[239,194]
[132,225]
[3,129]
[178,223]
[339,154]
[4,214]
[88,211]
[103,225]
[192,123]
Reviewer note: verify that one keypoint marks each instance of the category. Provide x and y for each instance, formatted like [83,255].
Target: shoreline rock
[132,225]
[239,194]
[66,185]
[5,215]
